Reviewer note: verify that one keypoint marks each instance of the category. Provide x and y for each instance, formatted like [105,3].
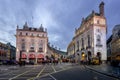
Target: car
[95,61]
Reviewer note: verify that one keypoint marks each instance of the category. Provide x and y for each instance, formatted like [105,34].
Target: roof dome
[116,27]
[116,31]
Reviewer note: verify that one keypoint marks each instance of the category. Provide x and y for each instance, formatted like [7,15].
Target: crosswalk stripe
[53,69]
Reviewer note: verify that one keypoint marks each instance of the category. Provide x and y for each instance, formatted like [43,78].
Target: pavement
[106,69]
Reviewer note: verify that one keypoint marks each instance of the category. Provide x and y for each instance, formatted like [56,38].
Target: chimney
[101,9]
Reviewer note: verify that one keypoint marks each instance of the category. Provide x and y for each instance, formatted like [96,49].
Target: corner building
[90,38]
[31,44]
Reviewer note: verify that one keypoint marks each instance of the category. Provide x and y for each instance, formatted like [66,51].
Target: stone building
[55,53]
[115,42]
[109,49]
[90,38]
[12,51]
[4,52]
[31,43]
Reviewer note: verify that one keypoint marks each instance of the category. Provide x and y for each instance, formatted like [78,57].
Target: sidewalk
[106,70]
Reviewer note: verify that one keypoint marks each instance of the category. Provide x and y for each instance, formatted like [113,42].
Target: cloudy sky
[60,17]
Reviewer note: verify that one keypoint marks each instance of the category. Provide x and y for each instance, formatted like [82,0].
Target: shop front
[40,58]
[32,58]
[23,57]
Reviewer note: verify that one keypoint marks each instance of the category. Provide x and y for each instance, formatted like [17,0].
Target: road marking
[41,71]
[21,74]
[37,74]
[53,69]
[52,77]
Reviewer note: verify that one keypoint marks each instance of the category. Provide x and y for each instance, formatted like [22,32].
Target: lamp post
[20,58]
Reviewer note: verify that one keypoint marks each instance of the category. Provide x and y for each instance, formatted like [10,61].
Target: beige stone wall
[37,39]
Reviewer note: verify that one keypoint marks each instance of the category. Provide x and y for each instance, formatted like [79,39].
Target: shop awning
[24,55]
[40,56]
[31,55]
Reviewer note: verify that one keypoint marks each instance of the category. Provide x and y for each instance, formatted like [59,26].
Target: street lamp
[83,55]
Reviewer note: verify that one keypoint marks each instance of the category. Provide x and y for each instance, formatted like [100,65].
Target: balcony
[99,45]
[31,50]
[23,50]
[40,50]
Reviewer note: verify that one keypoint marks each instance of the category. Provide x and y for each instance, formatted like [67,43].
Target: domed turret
[41,28]
[116,31]
[25,26]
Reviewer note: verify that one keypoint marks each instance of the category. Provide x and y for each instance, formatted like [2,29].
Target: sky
[60,17]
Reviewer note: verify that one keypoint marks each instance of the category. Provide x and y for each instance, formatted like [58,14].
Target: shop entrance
[99,57]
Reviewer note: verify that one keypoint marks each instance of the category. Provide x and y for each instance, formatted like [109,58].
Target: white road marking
[53,69]
[21,74]
[41,71]
[37,74]
[52,77]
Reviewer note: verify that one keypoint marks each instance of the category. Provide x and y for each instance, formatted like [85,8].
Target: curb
[107,74]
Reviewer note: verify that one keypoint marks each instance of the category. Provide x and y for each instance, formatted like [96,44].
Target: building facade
[115,42]
[12,51]
[4,52]
[55,54]
[31,43]
[90,38]
[109,48]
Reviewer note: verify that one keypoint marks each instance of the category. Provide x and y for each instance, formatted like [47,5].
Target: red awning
[31,55]
[40,56]
[24,55]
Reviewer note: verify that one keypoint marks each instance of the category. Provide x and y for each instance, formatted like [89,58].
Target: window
[77,45]
[26,34]
[32,46]
[41,47]
[20,33]
[88,40]
[23,46]
[82,43]
[98,21]
[23,40]
[98,39]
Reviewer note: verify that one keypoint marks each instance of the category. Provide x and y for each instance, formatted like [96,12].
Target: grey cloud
[59,17]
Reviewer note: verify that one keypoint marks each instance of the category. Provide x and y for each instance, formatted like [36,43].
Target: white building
[32,43]
[90,38]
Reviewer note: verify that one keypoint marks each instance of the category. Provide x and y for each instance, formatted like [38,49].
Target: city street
[64,71]
[29,72]
[77,73]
